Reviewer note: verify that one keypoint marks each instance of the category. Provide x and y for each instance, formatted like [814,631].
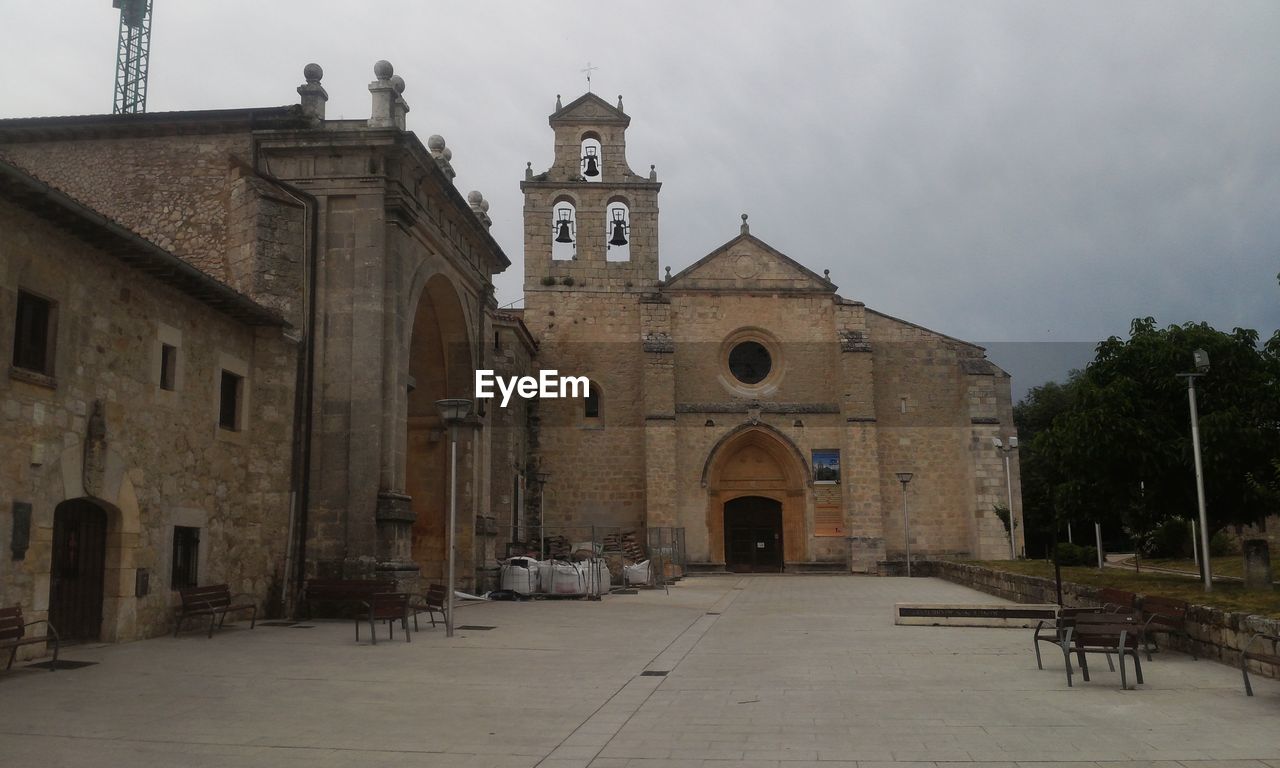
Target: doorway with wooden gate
[78,569]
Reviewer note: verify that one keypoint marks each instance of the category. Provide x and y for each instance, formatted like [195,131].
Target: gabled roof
[109,236]
[747,263]
[589,108]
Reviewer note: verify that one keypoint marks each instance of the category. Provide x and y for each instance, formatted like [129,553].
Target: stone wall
[172,190]
[1217,634]
[167,462]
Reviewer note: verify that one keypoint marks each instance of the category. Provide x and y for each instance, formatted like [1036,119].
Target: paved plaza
[780,671]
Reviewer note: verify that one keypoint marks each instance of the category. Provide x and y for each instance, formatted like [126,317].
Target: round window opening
[749,362]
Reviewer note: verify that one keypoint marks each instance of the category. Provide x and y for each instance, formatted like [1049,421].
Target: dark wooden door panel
[79,562]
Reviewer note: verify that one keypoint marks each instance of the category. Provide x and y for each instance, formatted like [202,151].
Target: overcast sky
[998,171]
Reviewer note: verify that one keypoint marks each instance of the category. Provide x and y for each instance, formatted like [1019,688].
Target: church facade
[743,399]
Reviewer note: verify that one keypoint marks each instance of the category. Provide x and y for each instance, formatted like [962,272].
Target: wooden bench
[1163,614]
[1105,633]
[1268,652]
[352,593]
[13,634]
[385,606]
[215,602]
[431,603]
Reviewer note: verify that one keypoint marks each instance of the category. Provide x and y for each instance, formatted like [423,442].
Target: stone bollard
[1257,565]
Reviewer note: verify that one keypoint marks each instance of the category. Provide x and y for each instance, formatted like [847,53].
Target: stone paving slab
[779,671]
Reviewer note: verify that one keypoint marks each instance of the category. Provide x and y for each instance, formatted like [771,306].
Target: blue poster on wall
[826,466]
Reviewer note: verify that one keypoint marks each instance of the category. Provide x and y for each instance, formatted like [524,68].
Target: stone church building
[742,399]
[225,333]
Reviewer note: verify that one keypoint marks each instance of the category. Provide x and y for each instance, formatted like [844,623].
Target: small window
[591,406]
[229,401]
[168,367]
[186,557]
[32,336]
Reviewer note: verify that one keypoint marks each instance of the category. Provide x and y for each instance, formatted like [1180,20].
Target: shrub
[548,280]
[1172,538]
[1075,554]
[567,281]
[1223,544]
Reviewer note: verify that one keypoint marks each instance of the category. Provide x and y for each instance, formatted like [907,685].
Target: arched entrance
[756,500]
[78,569]
[753,535]
[440,366]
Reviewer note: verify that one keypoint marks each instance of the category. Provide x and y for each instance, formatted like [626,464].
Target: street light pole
[904,478]
[1008,482]
[452,412]
[1201,359]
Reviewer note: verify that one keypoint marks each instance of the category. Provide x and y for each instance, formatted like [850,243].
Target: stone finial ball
[447,153]
[474,197]
[435,143]
[383,70]
[397,84]
[484,205]
[313,73]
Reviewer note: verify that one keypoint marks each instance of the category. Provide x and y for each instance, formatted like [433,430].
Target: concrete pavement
[779,671]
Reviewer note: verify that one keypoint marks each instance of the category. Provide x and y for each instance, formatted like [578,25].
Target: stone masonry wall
[172,190]
[182,469]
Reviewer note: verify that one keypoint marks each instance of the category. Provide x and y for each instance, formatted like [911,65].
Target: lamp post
[543,477]
[1008,483]
[452,411]
[904,478]
[1201,360]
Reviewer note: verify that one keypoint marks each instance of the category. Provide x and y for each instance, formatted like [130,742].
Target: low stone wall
[1218,635]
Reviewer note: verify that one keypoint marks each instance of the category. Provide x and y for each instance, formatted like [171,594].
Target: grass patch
[1226,595]
[1230,565]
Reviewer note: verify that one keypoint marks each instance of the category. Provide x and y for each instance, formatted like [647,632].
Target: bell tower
[590,222]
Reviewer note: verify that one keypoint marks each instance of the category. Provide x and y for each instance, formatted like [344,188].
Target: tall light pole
[1008,484]
[904,478]
[1201,360]
[453,411]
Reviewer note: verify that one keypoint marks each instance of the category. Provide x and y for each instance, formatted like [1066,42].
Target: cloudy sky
[1032,174]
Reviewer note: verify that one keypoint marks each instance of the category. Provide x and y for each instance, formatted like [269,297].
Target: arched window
[591,405]
[591,164]
[617,231]
[564,230]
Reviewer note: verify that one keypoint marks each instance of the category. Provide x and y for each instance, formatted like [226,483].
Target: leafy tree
[1119,448]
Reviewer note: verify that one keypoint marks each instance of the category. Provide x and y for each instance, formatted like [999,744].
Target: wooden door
[79,562]
[753,535]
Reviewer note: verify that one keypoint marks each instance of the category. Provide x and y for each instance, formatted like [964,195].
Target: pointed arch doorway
[756,485]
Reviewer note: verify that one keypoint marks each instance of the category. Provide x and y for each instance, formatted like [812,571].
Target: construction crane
[131,56]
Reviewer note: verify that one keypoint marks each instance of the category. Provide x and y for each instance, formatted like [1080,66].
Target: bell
[592,170]
[619,236]
[564,236]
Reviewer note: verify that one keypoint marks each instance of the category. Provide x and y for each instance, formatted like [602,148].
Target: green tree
[1121,450]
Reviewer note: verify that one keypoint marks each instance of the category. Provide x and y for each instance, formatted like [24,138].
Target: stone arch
[63,481]
[758,460]
[591,145]
[441,364]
